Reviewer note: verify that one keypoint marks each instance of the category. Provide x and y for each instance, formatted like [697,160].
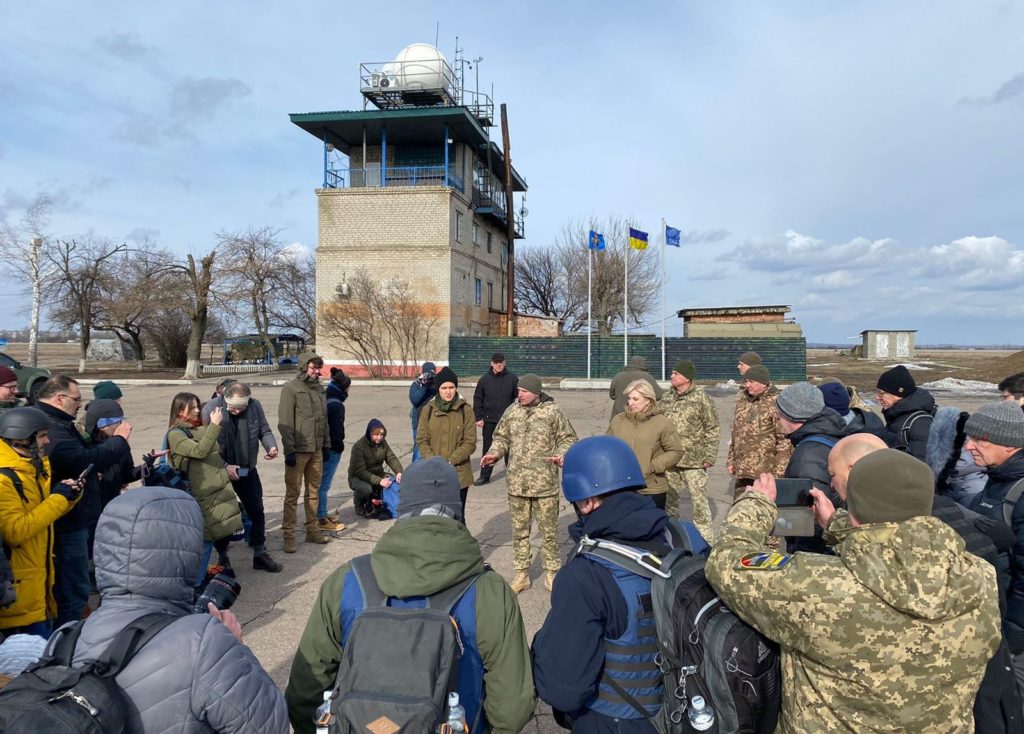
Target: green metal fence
[566,356]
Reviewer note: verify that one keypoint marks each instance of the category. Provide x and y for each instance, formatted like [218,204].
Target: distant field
[63,357]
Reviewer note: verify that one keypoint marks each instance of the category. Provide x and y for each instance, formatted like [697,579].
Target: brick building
[414,191]
[739,321]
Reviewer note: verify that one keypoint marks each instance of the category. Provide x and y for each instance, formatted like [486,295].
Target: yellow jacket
[27,530]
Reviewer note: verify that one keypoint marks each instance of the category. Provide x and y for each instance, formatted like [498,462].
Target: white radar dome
[422,66]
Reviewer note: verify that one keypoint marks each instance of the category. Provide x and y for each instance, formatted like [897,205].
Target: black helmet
[21,423]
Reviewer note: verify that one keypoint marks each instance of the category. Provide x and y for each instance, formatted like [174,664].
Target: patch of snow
[923,364]
[952,384]
[726,385]
[822,364]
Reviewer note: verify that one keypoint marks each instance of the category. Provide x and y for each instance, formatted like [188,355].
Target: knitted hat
[897,381]
[428,368]
[446,375]
[889,486]
[999,423]
[836,397]
[685,368]
[339,378]
[531,383]
[800,401]
[750,358]
[7,376]
[105,390]
[758,373]
[102,413]
[430,485]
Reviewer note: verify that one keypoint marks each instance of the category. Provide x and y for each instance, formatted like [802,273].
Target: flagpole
[625,310]
[590,318]
[664,246]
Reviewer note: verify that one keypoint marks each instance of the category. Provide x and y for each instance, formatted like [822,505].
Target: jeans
[204,562]
[71,583]
[39,629]
[249,490]
[415,446]
[330,467]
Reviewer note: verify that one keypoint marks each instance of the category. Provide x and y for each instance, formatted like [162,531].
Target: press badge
[767,561]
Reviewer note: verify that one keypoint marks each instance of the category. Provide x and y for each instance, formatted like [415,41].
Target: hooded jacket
[367,459]
[336,398]
[913,440]
[450,434]
[193,676]
[302,412]
[587,607]
[198,455]
[655,442]
[892,634]
[26,527]
[809,460]
[635,370]
[419,556]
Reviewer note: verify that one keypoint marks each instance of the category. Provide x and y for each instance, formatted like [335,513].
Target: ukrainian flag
[637,239]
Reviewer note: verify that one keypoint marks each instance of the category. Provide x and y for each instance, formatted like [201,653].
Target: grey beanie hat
[430,487]
[531,383]
[1000,423]
[800,401]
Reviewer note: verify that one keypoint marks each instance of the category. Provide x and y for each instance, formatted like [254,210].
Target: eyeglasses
[76,398]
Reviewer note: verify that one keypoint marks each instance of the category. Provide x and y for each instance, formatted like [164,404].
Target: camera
[221,590]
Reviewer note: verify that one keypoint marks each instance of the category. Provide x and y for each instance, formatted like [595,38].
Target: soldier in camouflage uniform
[691,411]
[757,446]
[8,390]
[535,434]
[893,633]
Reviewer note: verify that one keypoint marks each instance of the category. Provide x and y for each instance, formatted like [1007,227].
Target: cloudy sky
[861,161]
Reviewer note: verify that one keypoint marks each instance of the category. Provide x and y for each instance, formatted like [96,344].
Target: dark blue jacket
[69,456]
[419,394]
[810,461]
[587,607]
[336,416]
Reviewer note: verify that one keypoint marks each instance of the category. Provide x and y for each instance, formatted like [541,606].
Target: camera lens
[222,590]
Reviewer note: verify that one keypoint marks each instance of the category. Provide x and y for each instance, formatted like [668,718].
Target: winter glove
[70,492]
[326,453]
[289,459]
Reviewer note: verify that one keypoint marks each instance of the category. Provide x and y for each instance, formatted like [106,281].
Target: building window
[490,294]
[488,243]
[477,291]
[458,226]
[476,233]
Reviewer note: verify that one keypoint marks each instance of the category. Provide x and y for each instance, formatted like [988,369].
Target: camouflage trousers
[522,510]
[695,481]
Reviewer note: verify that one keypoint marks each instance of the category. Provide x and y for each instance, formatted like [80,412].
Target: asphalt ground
[273,608]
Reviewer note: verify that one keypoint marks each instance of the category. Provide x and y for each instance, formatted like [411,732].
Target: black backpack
[7,593]
[399,662]
[162,473]
[52,697]
[705,649]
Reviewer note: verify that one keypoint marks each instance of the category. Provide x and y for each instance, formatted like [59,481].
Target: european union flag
[637,239]
[596,241]
[672,236]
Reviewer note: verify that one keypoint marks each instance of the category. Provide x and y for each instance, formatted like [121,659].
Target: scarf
[445,406]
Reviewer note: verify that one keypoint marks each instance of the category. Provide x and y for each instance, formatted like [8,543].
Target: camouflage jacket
[528,434]
[891,635]
[696,422]
[756,445]
[6,405]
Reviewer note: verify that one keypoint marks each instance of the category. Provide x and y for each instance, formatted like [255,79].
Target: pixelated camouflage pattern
[6,405]
[693,414]
[891,635]
[756,445]
[529,434]
[523,510]
[694,481]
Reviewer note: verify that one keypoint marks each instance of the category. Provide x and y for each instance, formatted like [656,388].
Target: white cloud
[795,250]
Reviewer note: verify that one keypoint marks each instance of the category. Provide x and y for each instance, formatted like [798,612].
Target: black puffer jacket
[913,440]
[493,394]
[865,421]
[336,397]
[812,443]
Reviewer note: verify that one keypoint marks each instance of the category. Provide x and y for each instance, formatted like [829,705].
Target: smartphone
[84,474]
[243,471]
[793,493]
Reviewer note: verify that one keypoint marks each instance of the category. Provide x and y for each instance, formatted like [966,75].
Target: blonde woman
[651,435]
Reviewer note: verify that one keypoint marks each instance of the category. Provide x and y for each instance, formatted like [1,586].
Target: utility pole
[510,218]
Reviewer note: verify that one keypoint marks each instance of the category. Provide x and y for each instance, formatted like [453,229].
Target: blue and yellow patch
[765,561]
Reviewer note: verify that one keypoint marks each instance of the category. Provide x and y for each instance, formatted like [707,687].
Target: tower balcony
[375,177]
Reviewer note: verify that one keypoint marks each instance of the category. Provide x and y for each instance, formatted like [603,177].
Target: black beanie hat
[339,378]
[897,381]
[431,483]
[445,374]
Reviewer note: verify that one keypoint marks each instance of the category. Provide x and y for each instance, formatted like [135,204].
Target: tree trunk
[33,327]
[195,343]
[83,346]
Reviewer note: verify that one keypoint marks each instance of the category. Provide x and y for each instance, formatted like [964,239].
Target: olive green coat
[302,413]
[655,442]
[450,435]
[199,457]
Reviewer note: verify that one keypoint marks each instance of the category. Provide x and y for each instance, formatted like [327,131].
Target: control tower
[415,194]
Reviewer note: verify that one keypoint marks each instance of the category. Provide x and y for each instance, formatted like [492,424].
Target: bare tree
[294,305]
[251,265]
[22,251]
[81,268]
[553,281]
[379,323]
[198,292]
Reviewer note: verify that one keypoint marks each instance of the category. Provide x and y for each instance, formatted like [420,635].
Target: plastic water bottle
[702,716]
[456,713]
[322,716]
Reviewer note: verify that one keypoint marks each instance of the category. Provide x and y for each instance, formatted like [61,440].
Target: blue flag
[596,241]
[672,236]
